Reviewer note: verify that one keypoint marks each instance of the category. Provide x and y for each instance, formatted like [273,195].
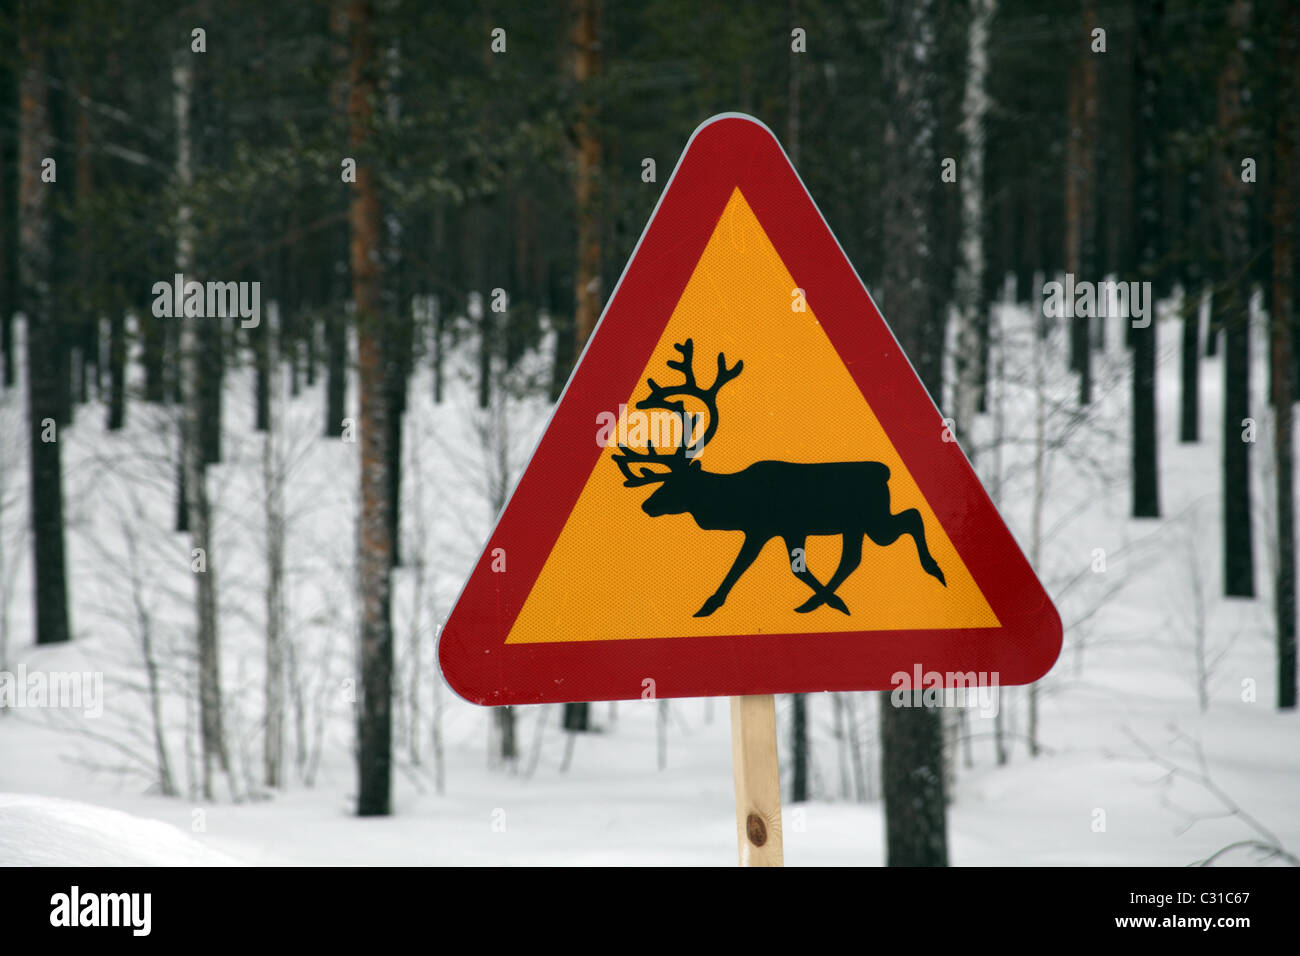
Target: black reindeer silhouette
[768,499]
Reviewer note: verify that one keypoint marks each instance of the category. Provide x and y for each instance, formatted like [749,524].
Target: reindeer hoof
[935,572]
[711,605]
[816,601]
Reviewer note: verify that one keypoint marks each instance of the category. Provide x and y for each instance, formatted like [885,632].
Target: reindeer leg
[748,552]
[807,577]
[909,522]
[850,558]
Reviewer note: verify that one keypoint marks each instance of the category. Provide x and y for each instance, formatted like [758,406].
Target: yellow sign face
[742,301]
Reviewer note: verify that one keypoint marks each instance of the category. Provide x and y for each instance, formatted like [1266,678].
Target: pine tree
[374,534]
[1146,164]
[799,742]
[586,63]
[336,323]
[1286,133]
[911,737]
[8,222]
[35,279]
[1232,303]
[1079,180]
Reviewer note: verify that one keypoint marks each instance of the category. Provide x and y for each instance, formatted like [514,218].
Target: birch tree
[273,482]
[970,270]
[198,505]
[970,282]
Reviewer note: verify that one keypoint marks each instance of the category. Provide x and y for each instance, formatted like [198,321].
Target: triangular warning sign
[744,489]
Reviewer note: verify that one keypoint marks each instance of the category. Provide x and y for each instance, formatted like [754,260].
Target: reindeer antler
[630,456]
[660,394]
[668,397]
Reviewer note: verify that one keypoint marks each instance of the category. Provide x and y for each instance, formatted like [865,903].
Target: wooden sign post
[758,780]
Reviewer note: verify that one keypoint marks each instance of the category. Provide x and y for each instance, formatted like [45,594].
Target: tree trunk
[587,291]
[273,479]
[505,721]
[478,299]
[1146,162]
[211,733]
[35,278]
[87,346]
[117,346]
[970,286]
[116,367]
[577,717]
[309,332]
[336,321]
[1029,258]
[911,737]
[799,742]
[912,773]
[181,495]
[400,324]
[153,334]
[1079,205]
[841,745]
[211,371]
[8,247]
[439,302]
[1283,222]
[374,752]
[586,64]
[397,366]
[799,755]
[1038,500]
[336,370]
[262,348]
[1233,305]
[1189,418]
[62,303]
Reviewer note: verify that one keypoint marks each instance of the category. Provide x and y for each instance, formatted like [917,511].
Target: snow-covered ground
[1119,711]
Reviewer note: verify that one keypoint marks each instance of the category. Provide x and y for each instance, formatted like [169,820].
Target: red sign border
[728,151]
